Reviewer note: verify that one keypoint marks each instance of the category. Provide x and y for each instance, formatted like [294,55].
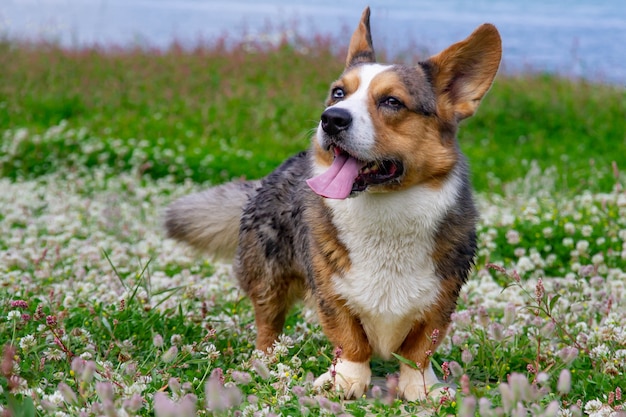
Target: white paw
[415,385]
[352,379]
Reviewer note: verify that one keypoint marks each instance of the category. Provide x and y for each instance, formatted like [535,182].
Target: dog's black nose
[335,119]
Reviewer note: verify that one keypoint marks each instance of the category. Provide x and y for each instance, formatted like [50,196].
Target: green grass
[101,315]
[226,113]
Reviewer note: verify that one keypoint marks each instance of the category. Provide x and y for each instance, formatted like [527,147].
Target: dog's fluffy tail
[209,220]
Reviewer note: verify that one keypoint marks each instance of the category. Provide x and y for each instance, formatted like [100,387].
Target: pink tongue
[337,181]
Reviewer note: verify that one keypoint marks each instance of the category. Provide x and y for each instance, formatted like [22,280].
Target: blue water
[579,38]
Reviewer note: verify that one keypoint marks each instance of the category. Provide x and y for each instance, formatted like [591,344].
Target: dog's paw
[415,385]
[352,379]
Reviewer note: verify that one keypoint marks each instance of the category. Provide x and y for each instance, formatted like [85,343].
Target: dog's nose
[335,119]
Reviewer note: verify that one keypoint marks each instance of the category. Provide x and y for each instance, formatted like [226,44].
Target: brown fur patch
[419,345]
[409,133]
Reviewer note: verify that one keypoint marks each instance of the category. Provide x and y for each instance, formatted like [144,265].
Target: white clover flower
[582,246]
[569,228]
[524,264]
[14,315]
[597,259]
[512,237]
[56,398]
[586,230]
[600,351]
[27,342]
[547,232]
[211,352]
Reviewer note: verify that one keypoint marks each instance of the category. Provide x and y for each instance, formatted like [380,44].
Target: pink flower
[19,304]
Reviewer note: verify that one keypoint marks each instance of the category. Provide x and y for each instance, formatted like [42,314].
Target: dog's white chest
[392,279]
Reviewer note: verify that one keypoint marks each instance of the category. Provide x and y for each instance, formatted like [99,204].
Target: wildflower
[525,264]
[174,385]
[164,407]
[509,314]
[568,354]
[465,384]
[600,351]
[241,378]
[68,394]
[104,391]
[483,316]
[466,356]
[512,237]
[484,407]
[595,408]
[218,397]
[582,246]
[134,403]
[299,391]
[19,304]
[211,352]
[176,339]
[496,331]
[565,382]
[51,321]
[445,368]
[455,369]
[539,291]
[597,259]
[14,315]
[170,354]
[586,270]
[157,341]
[467,406]
[261,369]
[27,342]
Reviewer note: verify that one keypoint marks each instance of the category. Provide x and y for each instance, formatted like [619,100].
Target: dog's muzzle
[336,120]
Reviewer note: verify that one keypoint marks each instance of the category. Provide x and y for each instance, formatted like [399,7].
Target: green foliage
[100,315]
[213,114]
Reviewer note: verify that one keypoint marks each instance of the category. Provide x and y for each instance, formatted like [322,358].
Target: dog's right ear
[361,49]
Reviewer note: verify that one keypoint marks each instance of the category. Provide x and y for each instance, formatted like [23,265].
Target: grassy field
[213,114]
[101,315]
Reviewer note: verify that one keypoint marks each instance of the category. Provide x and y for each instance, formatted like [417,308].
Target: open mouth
[348,174]
[376,173]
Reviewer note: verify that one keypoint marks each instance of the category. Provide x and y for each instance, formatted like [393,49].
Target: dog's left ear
[463,73]
[361,49]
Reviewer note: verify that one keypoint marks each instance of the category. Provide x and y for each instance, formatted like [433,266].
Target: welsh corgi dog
[375,223]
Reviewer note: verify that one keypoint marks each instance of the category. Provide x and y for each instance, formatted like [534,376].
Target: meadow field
[101,315]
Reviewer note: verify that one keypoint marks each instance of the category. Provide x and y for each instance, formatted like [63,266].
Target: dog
[375,222]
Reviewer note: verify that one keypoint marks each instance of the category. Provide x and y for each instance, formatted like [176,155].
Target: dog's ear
[464,72]
[361,49]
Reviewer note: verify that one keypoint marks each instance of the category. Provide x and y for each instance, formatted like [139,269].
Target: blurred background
[578,38]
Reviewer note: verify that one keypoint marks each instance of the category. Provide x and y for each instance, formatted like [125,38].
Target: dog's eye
[338,93]
[392,102]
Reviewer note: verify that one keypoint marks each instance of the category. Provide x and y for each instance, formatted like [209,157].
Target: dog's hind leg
[271,305]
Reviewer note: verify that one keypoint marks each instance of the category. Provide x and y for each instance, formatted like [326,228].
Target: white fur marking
[362,135]
[390,238]
[351,378]
[416,385]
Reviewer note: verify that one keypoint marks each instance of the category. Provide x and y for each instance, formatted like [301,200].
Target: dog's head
[391,127]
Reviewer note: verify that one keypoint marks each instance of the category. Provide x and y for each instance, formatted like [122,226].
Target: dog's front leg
[418,347]
[351,374]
